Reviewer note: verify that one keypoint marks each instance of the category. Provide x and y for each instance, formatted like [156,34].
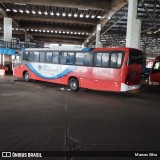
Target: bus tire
[26,77]
[73,84]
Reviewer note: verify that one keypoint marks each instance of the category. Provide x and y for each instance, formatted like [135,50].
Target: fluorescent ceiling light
[20,11]
[81,15]
[39,12]
[8,10]
[75,15]
[27,11]
[46,13]
[51,13]
[33,12]
[93,16]
[99,17]
[58,14]
[21,4]
[85,9]
[87,16]
[69,14]
[14,10]
[63,14]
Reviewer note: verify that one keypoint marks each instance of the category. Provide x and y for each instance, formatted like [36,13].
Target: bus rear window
[135,57]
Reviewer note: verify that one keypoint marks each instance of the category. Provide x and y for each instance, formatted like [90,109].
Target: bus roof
[57,48]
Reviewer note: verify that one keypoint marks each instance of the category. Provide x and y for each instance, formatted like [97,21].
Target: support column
[27,37]
[133,26]
[5,59]
[98,43]
[8,29]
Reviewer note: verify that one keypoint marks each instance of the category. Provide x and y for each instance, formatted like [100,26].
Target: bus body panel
[94,78]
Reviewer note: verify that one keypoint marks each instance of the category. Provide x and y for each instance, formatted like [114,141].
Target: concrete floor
[38,116]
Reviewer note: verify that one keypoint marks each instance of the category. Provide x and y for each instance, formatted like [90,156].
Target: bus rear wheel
[73,84]
[26,77]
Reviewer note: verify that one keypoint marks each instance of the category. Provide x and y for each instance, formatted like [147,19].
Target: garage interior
[39,116]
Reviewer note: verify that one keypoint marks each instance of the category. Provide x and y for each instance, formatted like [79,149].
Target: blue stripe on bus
[63,73]
[87,49]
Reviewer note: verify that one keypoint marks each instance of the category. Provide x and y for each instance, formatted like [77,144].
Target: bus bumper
[125,87]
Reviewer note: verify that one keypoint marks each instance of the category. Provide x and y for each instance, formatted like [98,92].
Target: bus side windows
[116,60]
[55,57]
[48,57]
[25,56]
[42,57]
[119,60]
[79,58]
[88,59]
[70,58]
[105,60]
[30,56]
[63,56]
[98,59]
[113,60]
[36,56]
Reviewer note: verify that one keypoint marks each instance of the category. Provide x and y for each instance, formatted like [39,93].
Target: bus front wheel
[73,84]
[26,77]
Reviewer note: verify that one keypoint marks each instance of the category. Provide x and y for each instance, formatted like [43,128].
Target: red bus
[107,69]
[154,76]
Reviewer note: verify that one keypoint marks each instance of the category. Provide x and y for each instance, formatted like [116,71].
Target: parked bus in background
[107,69]
[154,76]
